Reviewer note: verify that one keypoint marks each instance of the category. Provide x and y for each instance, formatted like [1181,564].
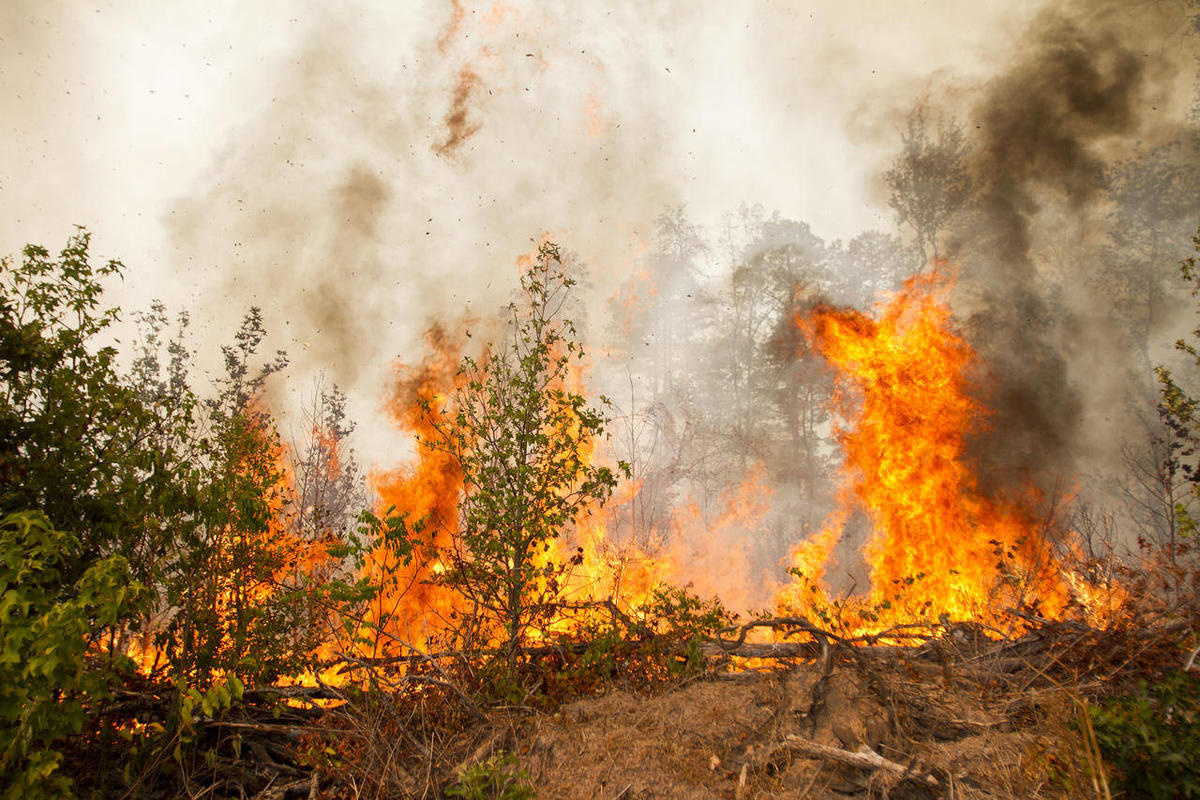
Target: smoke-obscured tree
[523,439]
[794,393]
[660,322]
[329,492]
[869,264]
[930,181]
[761,296]
[1180,414]
[655,442]
[801,393]
[745,394]
[1156,486]
[1154,205]
[738,393]
[750,311]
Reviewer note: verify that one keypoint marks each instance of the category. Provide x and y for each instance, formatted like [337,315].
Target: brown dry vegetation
[957,716]
[698,740]
[727,737]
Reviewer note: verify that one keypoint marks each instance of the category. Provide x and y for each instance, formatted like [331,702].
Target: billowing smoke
[362,171]
[377,186]
[1089,83]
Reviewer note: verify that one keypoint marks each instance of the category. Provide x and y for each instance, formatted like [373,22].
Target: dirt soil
[946,735]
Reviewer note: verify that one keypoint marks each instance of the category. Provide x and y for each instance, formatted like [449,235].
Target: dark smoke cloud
[1084,88]
[1039,123]
[361,199]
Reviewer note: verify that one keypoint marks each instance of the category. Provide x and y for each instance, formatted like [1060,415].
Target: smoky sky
[365,171]
[368,171]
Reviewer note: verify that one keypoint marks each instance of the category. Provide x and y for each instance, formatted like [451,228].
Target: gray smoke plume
[384,186]
[1091,80]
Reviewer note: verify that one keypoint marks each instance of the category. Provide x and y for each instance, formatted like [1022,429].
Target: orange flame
[411,607]
[808,564]
[619,571]
[940,546]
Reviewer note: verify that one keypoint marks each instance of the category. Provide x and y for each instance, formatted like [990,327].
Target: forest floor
[729,738]
[957,725]
[954,714]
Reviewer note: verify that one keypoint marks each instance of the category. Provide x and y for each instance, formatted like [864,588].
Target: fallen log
[780,650]
[865,758]
[939,643]
[267,693]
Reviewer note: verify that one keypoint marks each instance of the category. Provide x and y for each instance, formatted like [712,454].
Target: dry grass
[699,740]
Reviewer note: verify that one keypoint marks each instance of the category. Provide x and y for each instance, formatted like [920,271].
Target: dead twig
[1191,662]
[387,705]
[865,758]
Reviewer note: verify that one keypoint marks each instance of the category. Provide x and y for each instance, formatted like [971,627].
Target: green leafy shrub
[675,612]
[194,492]
[1152,738]
[78,442]
[53,669]
[498,778]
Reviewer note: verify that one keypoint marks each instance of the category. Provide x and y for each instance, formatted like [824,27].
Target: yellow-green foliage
[498,778]
[47,627]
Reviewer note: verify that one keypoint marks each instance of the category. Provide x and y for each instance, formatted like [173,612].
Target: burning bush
[519,441]
[113,482]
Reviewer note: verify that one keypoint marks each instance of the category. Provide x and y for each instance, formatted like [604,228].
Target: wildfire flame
[940,545]
[411,606]
[300,554]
